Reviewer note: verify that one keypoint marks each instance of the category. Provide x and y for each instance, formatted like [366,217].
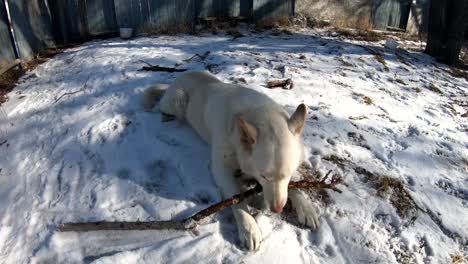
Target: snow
[94,154]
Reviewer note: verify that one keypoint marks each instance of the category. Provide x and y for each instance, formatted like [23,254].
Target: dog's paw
[306,213]
[249,233]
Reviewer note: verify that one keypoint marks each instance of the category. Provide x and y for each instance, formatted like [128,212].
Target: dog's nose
[278,209]
[278,206]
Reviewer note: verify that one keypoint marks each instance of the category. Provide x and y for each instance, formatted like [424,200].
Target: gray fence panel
[223,8]
[7,53]
[132,13]
[100,16]
[393,13]
[33,26]
[271,9]
[155,15]
[68,16]
[171,15]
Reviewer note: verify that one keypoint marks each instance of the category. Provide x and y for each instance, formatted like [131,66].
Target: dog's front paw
[306,213]
[249,233]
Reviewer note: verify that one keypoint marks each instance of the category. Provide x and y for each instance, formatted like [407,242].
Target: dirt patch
[340,162]
[361,35]
[394,190]
[8,82]
[366,99]
[9,79]
[434,88]
[459,259]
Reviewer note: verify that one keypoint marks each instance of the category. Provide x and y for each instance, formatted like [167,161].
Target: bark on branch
[285,84]
[192,222]
[151,67]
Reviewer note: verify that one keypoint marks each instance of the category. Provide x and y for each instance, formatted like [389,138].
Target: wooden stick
[285,84]
[74,92]
[192,222]
[161,69]
[202,57]
[151,67]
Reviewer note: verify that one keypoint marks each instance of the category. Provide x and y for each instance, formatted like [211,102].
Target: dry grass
[8,82]
[366,99]
[9,79]
[360,34]
[434,88]
[271,23]
[340,162]
[459,259]
[400,81]
[151,30]
[394,190]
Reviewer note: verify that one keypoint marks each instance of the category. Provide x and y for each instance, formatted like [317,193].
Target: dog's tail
[152,95]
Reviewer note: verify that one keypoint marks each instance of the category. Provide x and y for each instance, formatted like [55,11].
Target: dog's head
[271,150]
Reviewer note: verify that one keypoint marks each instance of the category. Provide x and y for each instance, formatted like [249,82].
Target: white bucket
[126,33]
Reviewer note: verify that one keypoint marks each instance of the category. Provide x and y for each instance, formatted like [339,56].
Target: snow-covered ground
[77,146]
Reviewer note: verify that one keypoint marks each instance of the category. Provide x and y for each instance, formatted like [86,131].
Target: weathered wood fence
[39,24]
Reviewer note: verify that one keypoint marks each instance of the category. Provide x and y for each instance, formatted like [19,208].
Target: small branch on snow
[151,67]
[75,92]
[202,57]
[192,222]
[285,84]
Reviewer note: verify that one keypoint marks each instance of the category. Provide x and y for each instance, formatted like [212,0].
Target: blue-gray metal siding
[7,53]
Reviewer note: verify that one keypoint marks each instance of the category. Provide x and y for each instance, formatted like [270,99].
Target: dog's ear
[297,121]
[248,133]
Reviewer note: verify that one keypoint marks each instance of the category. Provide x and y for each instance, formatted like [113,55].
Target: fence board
[393,13]
[100,15]
[223,8]
[271,9]
[33,26]
[154,15]
[7,53]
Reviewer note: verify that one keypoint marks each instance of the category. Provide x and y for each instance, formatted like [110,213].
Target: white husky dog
[246,130]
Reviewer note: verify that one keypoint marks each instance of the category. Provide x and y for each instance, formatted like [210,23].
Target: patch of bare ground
[360,34]
[8,82]
[366,99]
[9,79]
[459,259]
[434,88]
[394,190]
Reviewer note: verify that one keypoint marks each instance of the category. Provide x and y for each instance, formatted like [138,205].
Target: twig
[285,84]
[192,222]
[85,85]
[202,57]
[151,67]
[3,142]
[161,69]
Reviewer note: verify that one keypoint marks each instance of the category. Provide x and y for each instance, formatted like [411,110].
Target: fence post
[84,30]
[12,31]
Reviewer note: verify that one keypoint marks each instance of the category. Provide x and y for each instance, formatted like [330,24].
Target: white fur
[213,109]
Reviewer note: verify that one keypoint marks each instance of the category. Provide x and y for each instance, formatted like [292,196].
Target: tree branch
[192,222]
[151,67]
[285,84]
[74,92]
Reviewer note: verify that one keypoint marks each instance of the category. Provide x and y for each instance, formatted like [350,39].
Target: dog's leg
[174,103]
[152,95]
[305,210]
[249,233]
